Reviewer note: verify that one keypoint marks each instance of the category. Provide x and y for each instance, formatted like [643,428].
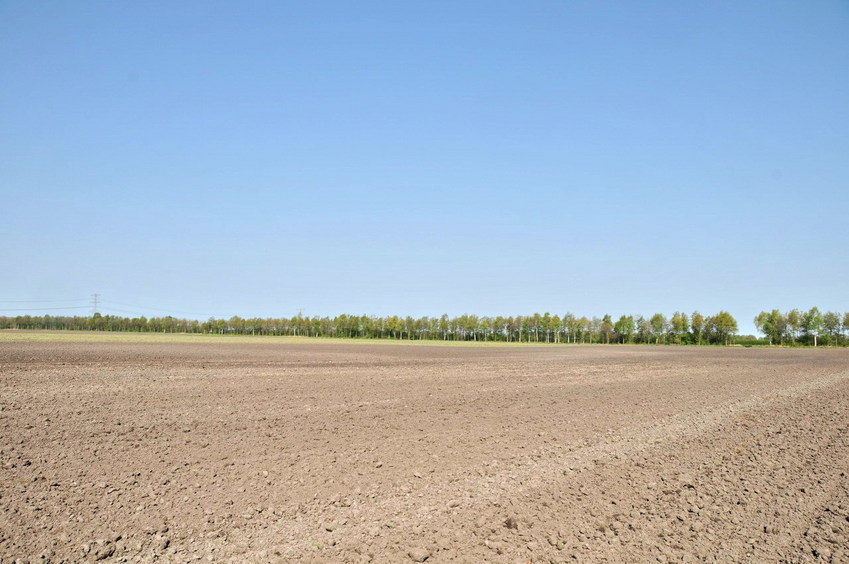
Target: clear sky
[418,158]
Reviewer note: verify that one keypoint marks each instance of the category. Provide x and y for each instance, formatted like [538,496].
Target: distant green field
[121,337]
[20,336]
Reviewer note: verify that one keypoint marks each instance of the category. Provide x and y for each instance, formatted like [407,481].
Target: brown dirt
[258,452]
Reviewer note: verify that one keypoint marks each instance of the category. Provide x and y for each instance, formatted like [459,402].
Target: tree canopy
[810,327]
[791,328]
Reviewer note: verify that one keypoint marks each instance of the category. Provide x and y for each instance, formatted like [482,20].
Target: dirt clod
[419,554]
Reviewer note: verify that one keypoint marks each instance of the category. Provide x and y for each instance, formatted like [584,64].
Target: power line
[97,303]
[45,308]
[40,301]
[138,307]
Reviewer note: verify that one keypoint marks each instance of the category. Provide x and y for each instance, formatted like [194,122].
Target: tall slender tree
[811,325]
[659,326]
[679,327]
[606,328]
[624,328]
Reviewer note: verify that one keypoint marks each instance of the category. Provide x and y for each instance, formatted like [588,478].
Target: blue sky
[260,158]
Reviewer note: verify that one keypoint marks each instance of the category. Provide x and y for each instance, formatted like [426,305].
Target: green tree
[545,324]
[624,328]
[557,327]
[595,330]
[395,326]
[724,326]
[679,327]
[536,321]
[794,324]
[570,322]
[443,326]
[773,325]
[585,327]
[606,328]
[519,325]
[811,325]
[831,326]
[697,323]
[659,326]
[644,331]
[845,324]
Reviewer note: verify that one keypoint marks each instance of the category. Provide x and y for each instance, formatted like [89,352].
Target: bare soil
[316,452]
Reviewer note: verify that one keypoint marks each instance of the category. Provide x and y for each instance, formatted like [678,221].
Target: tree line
[810,327]
[792,328]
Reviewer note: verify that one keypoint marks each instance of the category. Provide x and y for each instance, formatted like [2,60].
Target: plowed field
[276,451]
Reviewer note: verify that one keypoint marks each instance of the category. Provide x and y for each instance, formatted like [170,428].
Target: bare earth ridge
[314,452]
